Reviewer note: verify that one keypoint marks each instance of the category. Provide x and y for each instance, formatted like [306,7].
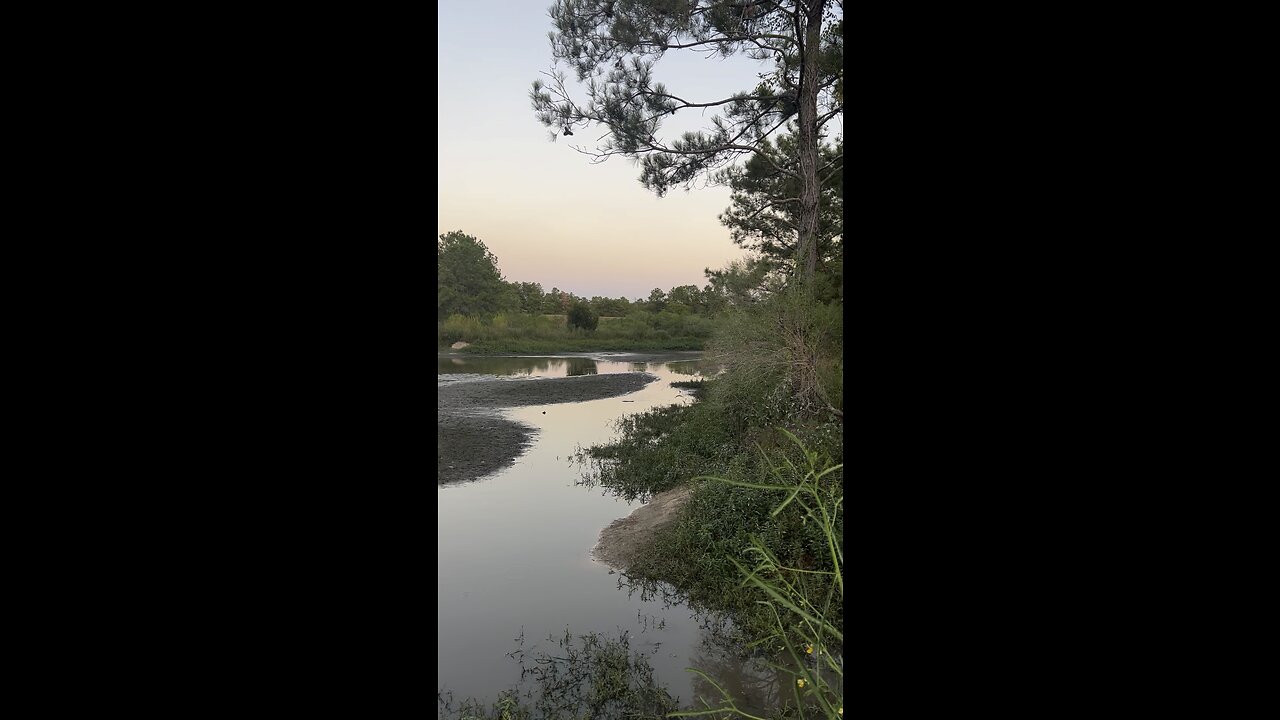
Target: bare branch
[774,203]
[823,119]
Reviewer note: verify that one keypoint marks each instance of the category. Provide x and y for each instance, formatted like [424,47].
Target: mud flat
[472,437]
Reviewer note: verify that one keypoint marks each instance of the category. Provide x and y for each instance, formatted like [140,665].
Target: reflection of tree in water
[754,687]
[553,366]
[495,365]
[747,676]
[591,675]
[683,367]
[580,366]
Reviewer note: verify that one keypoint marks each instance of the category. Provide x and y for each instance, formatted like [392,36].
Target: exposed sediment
[473,439]
[621,542]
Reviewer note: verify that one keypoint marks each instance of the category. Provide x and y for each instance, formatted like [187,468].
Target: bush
[582,316]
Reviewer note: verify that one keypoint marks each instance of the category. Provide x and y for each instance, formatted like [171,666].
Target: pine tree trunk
[807,248]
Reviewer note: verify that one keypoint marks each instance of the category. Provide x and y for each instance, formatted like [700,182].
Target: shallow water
[515,546]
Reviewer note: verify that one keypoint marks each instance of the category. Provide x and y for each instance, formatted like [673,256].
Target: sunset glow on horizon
[547,213]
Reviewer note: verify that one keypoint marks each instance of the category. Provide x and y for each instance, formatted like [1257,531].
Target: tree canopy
[467,279]
[759,223]
[613,45]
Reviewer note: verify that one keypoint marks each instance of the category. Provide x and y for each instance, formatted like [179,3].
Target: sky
[544,210]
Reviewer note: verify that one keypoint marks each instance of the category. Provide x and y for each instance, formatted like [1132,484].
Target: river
[515,546]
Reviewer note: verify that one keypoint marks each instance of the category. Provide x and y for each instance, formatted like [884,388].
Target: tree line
[469,283]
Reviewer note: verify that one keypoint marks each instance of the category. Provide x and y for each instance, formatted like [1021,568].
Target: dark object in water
[628,401]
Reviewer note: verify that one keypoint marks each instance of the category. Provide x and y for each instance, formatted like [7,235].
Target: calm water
[515,546]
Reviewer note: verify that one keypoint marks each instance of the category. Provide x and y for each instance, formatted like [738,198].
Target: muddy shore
[473,439]
[619,356]
[621,542]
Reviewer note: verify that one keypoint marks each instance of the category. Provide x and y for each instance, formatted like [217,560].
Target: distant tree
[467,278]
[580,315]
[551,302]
[613,47]
[743,282]
[657,300]
[712,302]
[529,297]
[686,295]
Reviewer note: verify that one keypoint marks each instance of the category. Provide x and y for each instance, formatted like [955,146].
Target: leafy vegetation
[800,629]
[467,277]
[477,306]
[760,539]
[613,47]
[806,605]
[541,333]
[582,317]
[591,677]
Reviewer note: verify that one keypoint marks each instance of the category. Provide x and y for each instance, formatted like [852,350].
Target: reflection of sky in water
[514,547]
[557,366]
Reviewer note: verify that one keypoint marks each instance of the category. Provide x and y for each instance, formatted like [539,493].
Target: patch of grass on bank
[544,333]
[513,345]
[667,447]
[736,433]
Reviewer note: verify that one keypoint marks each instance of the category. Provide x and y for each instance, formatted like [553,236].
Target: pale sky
[544,210]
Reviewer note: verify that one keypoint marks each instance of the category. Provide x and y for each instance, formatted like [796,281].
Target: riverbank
[474,440]
[628,355]
[621,542]
[542,333]
[518,345]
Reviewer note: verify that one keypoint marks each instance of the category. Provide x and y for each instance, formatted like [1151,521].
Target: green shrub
[582,316]
[805,600]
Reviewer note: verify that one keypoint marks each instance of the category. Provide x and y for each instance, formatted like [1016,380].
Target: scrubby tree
[529,296]
[657,300]
[613,46]
[581,316]
[551,302]
[467,278]
[712,301]
[686,295]
[742,282]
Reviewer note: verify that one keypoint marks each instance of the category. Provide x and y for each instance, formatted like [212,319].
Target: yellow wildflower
[800,682]
[808,649]
[840,712]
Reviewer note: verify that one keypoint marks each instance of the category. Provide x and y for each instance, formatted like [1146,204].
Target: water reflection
[513,558]
[564,366]
[521,366]
[753,686]
[755,681]
[514,547]
[687,367]
[580,366]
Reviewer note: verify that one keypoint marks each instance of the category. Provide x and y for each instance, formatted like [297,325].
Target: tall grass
[804,631]
[539,333]
[593,676]
[589,677]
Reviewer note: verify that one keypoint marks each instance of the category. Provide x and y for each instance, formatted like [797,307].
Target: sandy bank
[621,542]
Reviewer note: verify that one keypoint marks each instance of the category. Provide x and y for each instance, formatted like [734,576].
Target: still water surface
[515,546]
